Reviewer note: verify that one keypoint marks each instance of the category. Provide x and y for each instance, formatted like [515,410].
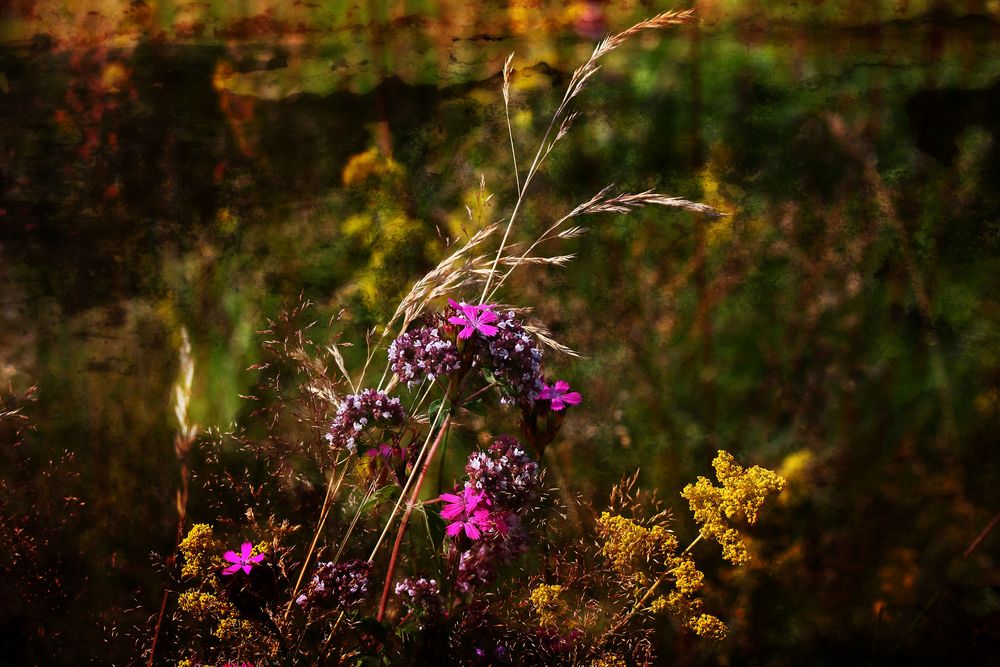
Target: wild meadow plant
[487,569]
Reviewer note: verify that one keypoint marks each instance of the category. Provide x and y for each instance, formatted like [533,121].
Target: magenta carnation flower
[243,560]
[473,318]
[464,512]
[560,395]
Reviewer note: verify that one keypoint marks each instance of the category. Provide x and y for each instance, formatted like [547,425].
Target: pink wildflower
[463,510]
[560,395]
[243,560]
[473,318]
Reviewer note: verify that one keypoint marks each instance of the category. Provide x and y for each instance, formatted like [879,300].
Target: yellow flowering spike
[547,604]
[741,495]
[609,660]
[688,579]
[631,548]
[201,605]
[232,628]
[709,626]
[200,550]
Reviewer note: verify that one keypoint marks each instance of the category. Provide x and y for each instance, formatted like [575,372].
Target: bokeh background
[172,165]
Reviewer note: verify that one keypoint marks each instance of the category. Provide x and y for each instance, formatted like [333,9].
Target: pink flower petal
[232,557]
[453,529]
[247,549]
[256,559]
[472,531]
[487,329]
[454,304]
[458,320]
[452,512]
[466,333]
[246,569]
[561,386]
[558,405]
[232,569]
[573,398]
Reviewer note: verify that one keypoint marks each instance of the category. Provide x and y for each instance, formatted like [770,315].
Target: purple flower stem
[406,517]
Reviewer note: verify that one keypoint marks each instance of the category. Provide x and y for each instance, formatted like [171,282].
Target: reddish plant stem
[406,517]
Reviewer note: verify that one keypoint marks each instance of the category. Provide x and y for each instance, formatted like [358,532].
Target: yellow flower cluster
[547,603]
[208,607]
[202,606]
[708,626]
[609,660]
[741,494]
[684,603]
[629,546]
[233,628]
[201,551]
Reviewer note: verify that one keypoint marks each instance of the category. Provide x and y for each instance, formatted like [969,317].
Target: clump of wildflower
[516,359]
[202,606]
[709,626]
[548,604]
[233,628]
[478,565]
[421,596]
[473,319]
[369,409]
[337,585]
[684,603]
[467,511]
[559,395]
[609,660]
[243,560]
[631,547]
[200,550]
[387,459]
[505,473]
[421,355]
[742,493]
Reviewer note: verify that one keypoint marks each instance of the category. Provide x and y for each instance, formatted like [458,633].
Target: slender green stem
[406,518]
[331,493]
[409,482]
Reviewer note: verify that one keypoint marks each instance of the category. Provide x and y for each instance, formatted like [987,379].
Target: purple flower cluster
[516,358]
[422,355]
[505,473]
[421,596]
[337,585]
[478,565]
[371,408]
[484,514]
